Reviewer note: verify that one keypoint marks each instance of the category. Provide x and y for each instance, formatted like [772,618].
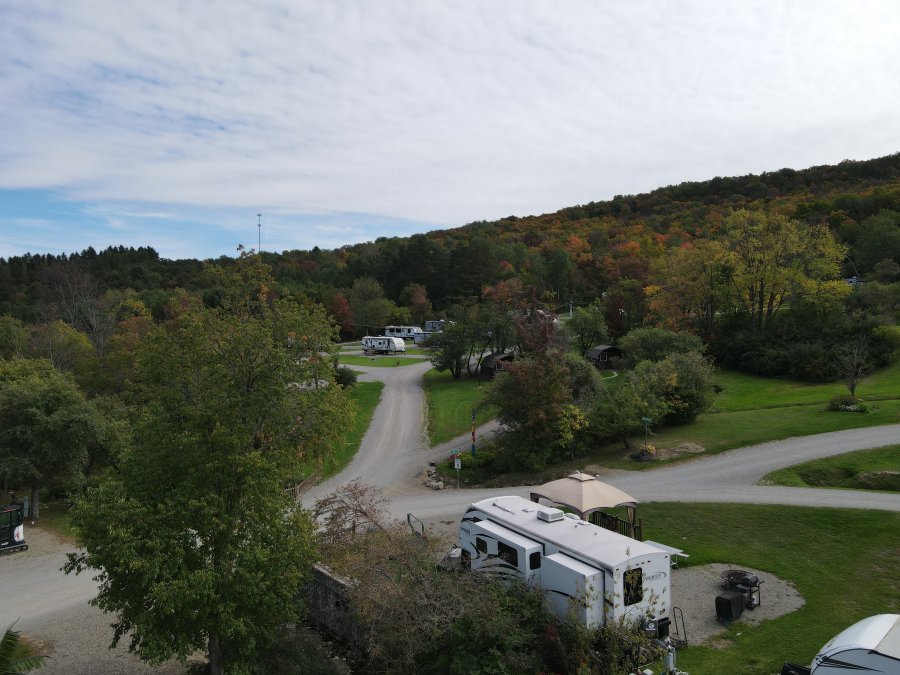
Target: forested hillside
[669,257]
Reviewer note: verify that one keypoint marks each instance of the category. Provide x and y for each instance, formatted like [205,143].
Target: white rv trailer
[871,645]
[414,333]
[583,570]
[435,325]
[382,345]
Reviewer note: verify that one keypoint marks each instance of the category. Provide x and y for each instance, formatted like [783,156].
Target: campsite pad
[694,590]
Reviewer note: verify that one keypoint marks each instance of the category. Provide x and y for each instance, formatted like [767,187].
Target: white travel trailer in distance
[414,333]
[599,575]
[383,345]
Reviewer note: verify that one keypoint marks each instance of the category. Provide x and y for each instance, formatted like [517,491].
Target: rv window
[480,545]
[634,586]
[534,560]
[508,553]
[6,519]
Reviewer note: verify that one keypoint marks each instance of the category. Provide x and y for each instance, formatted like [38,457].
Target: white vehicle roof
[598,545]
[879,633]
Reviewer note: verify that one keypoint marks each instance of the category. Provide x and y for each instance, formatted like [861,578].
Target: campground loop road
[393,454]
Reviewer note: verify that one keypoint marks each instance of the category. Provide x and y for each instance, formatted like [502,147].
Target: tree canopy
[196,545]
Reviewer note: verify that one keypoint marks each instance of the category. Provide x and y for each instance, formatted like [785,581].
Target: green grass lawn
[723,431]
[748,392]
[875,469]
[366,396]
[845,563]
[379,361]
[450,404]
[749,410]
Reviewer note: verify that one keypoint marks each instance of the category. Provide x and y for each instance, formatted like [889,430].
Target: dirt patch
[694,590]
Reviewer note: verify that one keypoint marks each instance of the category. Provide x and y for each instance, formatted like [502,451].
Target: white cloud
[428,111]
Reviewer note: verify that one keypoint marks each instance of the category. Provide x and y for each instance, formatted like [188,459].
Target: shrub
[344,376]
[655,344]
[846,403]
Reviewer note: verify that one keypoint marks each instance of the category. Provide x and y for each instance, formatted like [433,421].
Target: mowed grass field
[748,410]
[450,404]
[366,396]
[385,361]
[875,469]
[751,410]
[845,563]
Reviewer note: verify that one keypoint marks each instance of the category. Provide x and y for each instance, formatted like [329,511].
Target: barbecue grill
[746,583]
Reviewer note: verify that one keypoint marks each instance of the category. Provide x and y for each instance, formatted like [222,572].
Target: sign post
[457,464]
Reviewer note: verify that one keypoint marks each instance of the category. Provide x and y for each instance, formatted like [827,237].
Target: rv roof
[880,633]
[590,542]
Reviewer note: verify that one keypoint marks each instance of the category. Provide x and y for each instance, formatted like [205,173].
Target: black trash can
[729,606]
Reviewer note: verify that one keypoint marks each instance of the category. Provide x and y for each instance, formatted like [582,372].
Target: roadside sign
[457,463]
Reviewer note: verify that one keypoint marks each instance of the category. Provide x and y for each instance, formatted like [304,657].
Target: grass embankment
[751,410]
[748,410]
[450,404]
[366,396]
[845,563]
[379,361]
[875,469]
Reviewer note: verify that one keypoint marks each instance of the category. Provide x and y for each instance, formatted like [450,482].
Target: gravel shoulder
[694,590]
[51,608]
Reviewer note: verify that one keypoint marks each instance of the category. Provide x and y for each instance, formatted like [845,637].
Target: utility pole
[259,237]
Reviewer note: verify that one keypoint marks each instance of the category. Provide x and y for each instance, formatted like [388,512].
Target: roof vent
[550,515]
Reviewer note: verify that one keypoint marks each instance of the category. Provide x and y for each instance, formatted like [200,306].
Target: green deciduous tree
[684,383]
[589,326]
[13,338]
[48,430]
[450,348]
[196,545]
[774,258]
[655,344]
[618,413]
[368,305]
[690,286]
[534,401]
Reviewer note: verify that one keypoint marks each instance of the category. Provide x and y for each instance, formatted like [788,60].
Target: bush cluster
[846,403]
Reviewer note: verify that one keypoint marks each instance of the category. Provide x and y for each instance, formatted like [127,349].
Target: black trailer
[12,531]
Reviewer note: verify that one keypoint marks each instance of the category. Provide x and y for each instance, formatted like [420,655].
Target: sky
[173,123]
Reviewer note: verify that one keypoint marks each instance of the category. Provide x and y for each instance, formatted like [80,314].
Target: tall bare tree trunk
[35,504]
[215,655]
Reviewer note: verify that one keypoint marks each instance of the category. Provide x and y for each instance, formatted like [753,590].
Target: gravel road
[727,477]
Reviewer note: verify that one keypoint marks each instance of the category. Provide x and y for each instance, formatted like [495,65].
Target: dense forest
[670,258]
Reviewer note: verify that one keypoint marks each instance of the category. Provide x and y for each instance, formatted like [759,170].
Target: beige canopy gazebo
[584,494]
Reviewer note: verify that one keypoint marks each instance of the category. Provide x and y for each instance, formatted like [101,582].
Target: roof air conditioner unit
[550,515]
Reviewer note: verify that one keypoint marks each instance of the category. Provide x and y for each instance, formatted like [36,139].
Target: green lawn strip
[845,563]
[366,396]
[379,361]
[722,431]
[747,392]
[863,469]
[715,432]
[55,519]
[450,404]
